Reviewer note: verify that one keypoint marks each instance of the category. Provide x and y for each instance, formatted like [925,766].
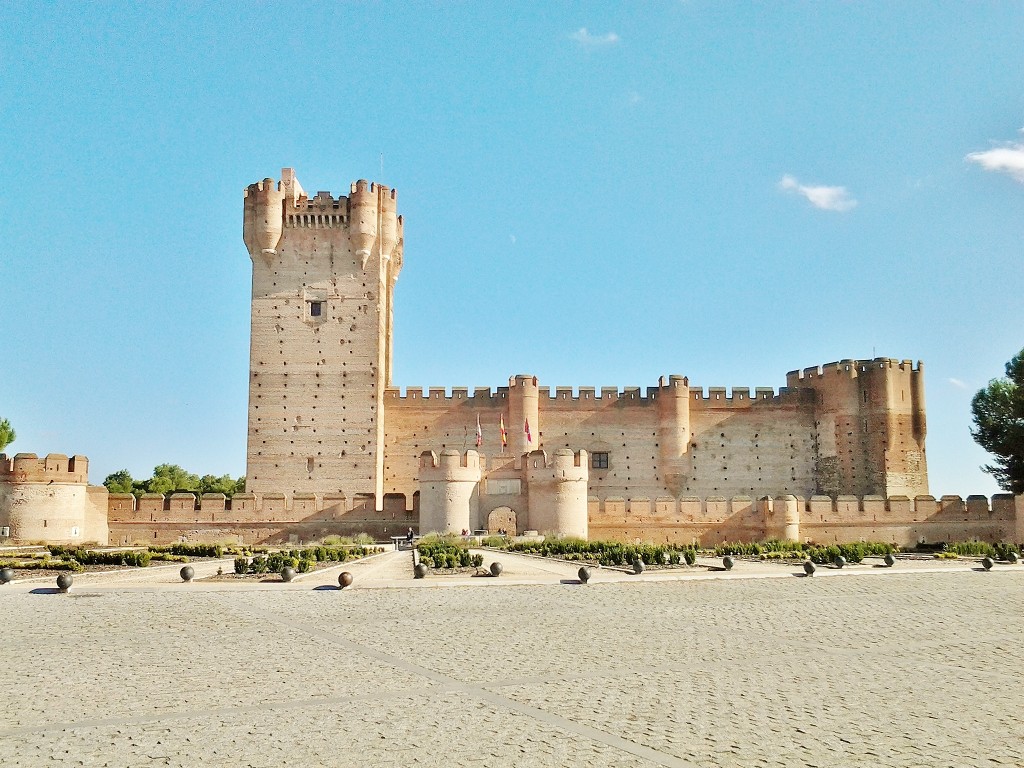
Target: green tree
[120,482]
[7,434]
[168,478]
[225,484]
[999,425]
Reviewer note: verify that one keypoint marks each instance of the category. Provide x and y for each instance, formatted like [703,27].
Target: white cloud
[1008,158]
[587,40]
[825,198]
[958,384]
[512,239]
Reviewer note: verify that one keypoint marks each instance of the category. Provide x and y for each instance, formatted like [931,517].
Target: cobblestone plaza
[902,669]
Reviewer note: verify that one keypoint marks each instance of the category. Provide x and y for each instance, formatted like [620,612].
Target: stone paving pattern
[908,669]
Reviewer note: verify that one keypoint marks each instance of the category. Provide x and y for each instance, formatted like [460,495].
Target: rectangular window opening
[599,460]
[315,308]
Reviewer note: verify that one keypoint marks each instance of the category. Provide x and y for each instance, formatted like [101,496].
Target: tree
[7,435]
[170,478]
[120,482]
[999,425]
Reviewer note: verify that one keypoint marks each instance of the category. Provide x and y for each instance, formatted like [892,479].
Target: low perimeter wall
[274,518]
[820,519]
[248,518]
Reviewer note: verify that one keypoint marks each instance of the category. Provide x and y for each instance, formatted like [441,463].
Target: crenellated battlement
[54,468]
[850,369]
[584,395]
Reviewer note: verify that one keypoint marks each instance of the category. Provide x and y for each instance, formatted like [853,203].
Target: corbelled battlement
[54,468]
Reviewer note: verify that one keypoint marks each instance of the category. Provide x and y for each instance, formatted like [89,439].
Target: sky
[594,193]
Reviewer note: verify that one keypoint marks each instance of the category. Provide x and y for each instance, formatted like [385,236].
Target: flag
[504,434]
[479,432]
[526,429]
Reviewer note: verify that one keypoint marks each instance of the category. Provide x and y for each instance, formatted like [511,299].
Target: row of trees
[170,478]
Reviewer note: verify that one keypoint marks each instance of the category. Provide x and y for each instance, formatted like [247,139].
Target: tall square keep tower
[323,276]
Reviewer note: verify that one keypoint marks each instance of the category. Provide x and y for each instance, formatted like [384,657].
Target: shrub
[477,560]
[972,549]
[258,564]
[192,550]
[241,565]
[364,539]
[168,557]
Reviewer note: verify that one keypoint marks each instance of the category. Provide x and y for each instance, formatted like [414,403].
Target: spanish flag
[504,434]
[479,432]
[526,429]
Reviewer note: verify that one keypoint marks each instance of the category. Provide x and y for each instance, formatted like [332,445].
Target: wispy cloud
[958,384]
[1008,158]
[588,40]
[825,198]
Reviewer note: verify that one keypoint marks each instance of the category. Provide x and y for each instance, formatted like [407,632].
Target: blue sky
[598,194]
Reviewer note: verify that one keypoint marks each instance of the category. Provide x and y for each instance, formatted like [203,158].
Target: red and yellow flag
[504,434]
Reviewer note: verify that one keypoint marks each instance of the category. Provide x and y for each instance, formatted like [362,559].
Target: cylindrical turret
[920,424]
[449,487]
[263,217]
[523,415]
[557,492]
[674,431]
[363,218]
[786,515]
[387,199]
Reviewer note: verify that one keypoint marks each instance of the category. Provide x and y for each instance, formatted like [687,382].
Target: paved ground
[855,667]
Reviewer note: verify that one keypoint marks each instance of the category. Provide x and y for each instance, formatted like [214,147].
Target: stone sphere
[987,563]
[6,575]
[187,573]
[809,568]
[420,570]
[839,562]
[889,560]
[584,574]
[64,582]
[287,573]
[344,579]
[728,563]
[1012,557]
[496,569]
[638,566]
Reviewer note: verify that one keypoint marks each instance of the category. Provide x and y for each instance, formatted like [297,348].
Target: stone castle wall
[273,518]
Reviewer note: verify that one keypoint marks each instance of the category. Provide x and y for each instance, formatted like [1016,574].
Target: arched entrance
[502,518]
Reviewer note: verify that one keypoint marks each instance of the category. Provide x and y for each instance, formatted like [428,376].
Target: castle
[325,418]
[334,446]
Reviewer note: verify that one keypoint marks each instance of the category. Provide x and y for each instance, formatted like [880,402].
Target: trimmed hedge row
[191,550]
[85,556]
[607,552]
[447,552]
[301,560]
[999,551]
[774,549]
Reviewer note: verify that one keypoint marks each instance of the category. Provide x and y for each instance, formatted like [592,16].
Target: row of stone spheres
[334,447]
